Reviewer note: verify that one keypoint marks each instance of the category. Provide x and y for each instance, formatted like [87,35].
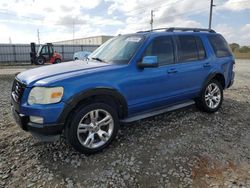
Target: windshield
[118,50]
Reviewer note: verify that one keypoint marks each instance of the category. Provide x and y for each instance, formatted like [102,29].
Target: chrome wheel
[95,128]
[212,95]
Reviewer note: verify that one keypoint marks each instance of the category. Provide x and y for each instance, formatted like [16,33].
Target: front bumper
[44,129]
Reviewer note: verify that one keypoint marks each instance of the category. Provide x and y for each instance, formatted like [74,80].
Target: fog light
[36,119]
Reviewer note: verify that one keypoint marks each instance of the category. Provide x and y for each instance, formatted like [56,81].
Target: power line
[191,12]
[145,8]
[151,5]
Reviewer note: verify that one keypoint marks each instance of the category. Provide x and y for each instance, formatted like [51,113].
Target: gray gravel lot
[185,148]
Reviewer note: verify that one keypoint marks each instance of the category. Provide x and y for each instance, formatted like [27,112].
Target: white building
[96,40]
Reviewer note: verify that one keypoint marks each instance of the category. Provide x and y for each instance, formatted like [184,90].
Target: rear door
[191,69]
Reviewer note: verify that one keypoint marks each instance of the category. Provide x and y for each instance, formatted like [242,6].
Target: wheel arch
[217,76]
[106,95]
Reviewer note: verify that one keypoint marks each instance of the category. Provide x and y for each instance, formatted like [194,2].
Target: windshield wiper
[98,59]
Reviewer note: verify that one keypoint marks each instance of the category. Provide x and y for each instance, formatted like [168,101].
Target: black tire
[72,128]
[57,61]
[203,104]
[40,61]
[76,58]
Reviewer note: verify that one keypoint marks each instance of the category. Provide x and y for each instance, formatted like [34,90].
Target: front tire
[211,97]
[93,127]
[40,61]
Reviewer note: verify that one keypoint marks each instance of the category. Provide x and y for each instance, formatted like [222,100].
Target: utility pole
[211,12]
[152,19]
[73,34]
[73,28]
[38,36]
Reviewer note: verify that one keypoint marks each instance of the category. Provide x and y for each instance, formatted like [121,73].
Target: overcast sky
[20,19]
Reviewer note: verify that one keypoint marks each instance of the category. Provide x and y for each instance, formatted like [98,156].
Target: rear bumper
[45,129]
[232,80]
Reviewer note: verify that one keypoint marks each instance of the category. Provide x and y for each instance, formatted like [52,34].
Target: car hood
[33,75]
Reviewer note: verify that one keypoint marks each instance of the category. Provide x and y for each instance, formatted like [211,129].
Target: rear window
[187,48]
[220,46]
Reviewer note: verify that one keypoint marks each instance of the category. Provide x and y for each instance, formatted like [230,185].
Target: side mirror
[149,61]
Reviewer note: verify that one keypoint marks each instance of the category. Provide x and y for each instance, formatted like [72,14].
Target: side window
[45,50]
[220,46]
[200,47]
[187,48]
[163,48]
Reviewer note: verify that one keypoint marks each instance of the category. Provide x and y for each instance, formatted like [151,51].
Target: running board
[153,113]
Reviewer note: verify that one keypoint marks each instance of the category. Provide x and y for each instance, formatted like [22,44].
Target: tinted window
[187,48]
[220,46]
[162,47]
[200,47]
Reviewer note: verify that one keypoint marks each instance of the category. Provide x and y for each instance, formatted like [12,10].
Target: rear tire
[211,97]
[57,61]
[92,127]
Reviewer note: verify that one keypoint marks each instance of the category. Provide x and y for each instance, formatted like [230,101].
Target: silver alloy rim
[95,128]
[212,95]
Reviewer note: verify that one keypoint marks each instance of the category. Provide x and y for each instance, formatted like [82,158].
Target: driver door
[151,85]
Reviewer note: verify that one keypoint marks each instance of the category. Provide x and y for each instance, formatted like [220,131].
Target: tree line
[237,48]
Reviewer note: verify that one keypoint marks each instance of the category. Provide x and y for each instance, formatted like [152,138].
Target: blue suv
[128,78]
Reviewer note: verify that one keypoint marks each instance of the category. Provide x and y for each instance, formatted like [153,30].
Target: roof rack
[164,28]
[172,29]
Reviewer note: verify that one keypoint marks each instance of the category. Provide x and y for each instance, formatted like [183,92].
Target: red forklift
[44,54]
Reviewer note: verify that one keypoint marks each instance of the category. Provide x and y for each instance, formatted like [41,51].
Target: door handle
[207,65]
[172,71]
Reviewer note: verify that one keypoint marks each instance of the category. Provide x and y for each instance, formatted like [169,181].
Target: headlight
[45,95]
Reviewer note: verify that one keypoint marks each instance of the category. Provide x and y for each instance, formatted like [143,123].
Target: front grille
[17,90]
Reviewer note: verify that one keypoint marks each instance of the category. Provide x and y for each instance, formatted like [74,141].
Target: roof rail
[164,28]
[172,29]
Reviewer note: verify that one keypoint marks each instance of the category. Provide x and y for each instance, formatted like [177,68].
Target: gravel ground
[185,148]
